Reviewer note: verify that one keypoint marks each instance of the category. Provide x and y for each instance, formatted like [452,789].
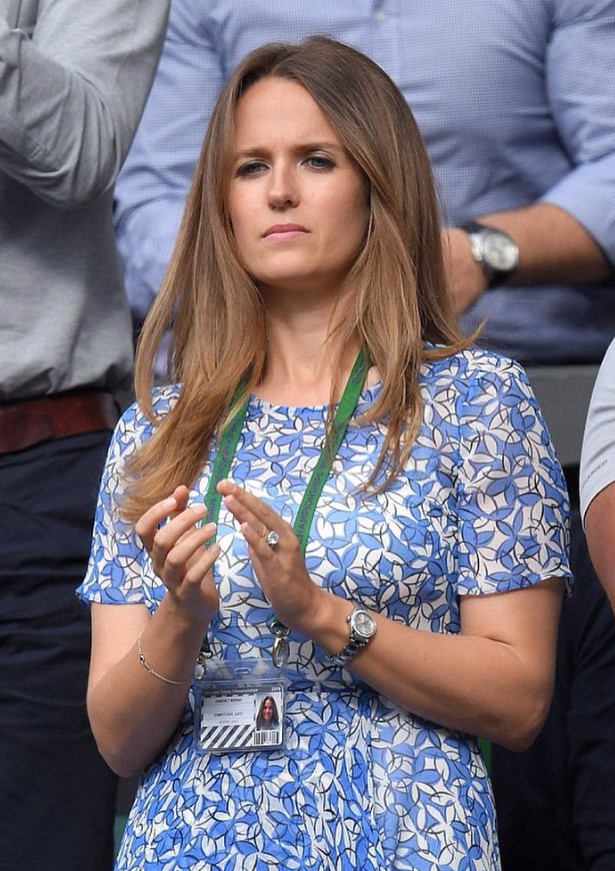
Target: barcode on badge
[268,738]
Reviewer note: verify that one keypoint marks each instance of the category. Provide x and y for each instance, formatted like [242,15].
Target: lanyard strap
[343,413]
[227,446]
[229,439]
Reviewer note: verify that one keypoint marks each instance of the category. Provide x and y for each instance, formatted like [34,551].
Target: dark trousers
[57,795]
[556,801]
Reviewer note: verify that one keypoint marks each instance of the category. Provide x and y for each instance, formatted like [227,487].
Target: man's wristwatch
[493,250]
[362,630]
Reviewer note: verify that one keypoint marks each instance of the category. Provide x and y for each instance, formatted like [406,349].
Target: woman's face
[267,710]
[298,203]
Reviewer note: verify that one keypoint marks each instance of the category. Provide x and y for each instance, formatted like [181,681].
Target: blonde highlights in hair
[399,300]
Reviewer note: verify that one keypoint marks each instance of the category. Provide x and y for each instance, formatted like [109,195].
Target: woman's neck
[302,360]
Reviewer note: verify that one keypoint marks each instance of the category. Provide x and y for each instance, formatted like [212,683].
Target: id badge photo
[240,706]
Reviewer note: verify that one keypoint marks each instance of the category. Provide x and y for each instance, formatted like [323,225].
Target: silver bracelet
[148,667]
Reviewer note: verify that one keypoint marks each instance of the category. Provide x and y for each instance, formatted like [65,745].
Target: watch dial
[499,253]
[364,624]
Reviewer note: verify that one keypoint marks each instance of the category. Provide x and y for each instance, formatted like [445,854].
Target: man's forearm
[554,248]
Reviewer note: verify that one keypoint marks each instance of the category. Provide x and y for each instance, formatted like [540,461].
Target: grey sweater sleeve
[74,75]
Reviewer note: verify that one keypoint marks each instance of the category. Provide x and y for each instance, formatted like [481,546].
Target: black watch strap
[494,250]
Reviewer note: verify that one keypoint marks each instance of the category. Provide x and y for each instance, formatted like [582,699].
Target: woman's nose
[283,190]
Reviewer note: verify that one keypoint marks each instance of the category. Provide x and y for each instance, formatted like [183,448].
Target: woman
[267,717]
[384,536]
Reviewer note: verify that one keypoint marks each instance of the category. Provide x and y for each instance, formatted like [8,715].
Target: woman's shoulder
[474,388]
[135,426]
[162,397]
[470,369]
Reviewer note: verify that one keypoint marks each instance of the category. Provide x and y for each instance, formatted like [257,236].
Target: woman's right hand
[179,555]
[134,710]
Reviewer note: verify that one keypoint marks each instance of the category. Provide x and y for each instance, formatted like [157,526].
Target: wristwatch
[362,630]
[493,250]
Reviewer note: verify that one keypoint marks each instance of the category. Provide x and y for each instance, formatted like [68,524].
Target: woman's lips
[286,230]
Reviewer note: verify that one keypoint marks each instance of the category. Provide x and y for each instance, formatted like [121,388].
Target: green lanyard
[227,446]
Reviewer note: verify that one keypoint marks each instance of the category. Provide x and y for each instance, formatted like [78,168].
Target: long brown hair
[399,300]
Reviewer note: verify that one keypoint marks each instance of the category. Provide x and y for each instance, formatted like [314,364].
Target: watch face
[499,252]
[363,624]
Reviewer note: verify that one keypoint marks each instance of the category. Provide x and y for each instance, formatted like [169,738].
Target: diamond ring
[272,538]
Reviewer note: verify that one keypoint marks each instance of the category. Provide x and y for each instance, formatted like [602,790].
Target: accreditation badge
[240,706]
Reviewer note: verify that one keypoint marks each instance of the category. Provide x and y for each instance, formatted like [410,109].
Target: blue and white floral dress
[361,784]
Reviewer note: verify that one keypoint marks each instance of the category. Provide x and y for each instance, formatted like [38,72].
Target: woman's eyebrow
[304,147]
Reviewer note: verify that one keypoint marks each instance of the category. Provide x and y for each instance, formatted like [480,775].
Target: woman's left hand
[280,568]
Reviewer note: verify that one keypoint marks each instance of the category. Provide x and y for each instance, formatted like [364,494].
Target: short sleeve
[114,574]
[598,451]
[119,569]
[512,498]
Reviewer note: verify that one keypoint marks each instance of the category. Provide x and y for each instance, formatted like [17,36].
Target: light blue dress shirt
[516,101]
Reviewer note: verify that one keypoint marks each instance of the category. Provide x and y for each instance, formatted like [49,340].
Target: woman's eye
[317,161]
[253,167]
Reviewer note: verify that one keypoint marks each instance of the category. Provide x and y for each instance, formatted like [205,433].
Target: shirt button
[380,16]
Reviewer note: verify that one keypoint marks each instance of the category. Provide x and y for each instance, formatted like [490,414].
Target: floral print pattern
[361,783]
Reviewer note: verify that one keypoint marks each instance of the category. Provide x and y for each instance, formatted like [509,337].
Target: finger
[172,531]
[247,519]
[190,545]
[257,543]
[147,525]
[247,508]
[180,496]
[175,537]
[201,565]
